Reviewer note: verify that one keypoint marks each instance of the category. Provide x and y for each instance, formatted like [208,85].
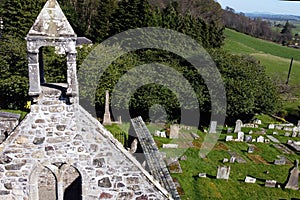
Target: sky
[266,6]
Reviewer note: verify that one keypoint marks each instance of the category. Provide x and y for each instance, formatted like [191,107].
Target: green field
[274,57]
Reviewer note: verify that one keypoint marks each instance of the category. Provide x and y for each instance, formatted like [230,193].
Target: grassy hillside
[274,57]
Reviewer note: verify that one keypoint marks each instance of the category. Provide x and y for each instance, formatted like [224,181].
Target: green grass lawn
[257,164]
[274,57]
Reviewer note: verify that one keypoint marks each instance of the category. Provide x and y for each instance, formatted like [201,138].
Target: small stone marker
[241,136]
[270,183]
[293,177]
[275,133]
[250,132]
[287,134]
[248,138]
[174,131]
[157,133]
[225,160]
[271,126]
[195,136]
[250,149]
[257,121]
[250,179]
[232,159]
[253,140]
[202,175]
[213,127]
[295,130]
[223,172]
[229,138]
[260,139]
[280,161]
[238,126]
[273,139]
[163,134]
[170,146]
[229,130]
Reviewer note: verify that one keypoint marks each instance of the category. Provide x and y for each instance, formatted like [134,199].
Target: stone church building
[59,151]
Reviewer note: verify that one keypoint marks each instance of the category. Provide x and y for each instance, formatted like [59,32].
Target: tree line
[248,88]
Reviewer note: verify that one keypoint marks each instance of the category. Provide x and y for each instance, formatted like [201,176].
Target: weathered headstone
[287,134]
[249,179]
[250,132]
[257,121]
[294,133]
[202,175]
[260,139]
[225,160]
[250,149]
[232,159]
[229,138]
[106,117]
[163,134]
[248,138]
[174,131]
[293,177]
[170,146]
[195,135]
[275,133]
[271,126]
[273,139]
[213,127]
[270,183]
[157,133]
[238,126]
[240,136]
[223,172]
[280,161]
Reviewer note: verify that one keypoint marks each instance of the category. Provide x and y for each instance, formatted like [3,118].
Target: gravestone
[174,131]
[293,177]
[275,133]
[106,117]
[250,149]
[271,126]
[213,127]
[270,183]
[238,126]
[250,132]
[280,161]
[163,134]
[232,159]
[257,121]
[248,138]
[229,130]
[195,135]
[170,146]
[240,136]
[249,179]
[225,160]
[287,134]
[273,139]
[294,133]
[229,138]
[298,125]
[157,133]
[260,139]
[202,175]
[223,172]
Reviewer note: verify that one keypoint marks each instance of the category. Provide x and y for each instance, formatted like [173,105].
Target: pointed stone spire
[51,22]
[106,118]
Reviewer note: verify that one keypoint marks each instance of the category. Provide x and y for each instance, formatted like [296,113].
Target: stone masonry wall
[60,137]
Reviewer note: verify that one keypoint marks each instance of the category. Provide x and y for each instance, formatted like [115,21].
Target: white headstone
[271,126]
[260,139]
[249,179]
[238,126]
[163,134]
[229,138]
[213,127]
[223,172]
[241,136]
[170,146]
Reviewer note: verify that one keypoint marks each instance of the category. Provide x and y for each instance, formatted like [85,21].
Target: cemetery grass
[194,187]
[275,57]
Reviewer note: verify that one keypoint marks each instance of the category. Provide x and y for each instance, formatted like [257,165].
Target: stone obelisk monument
[106,118]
